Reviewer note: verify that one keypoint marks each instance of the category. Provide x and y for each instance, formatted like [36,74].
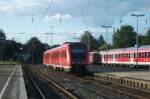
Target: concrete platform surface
[12,82]
[122,72]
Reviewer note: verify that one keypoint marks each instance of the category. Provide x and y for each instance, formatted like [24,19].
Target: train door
[132,58]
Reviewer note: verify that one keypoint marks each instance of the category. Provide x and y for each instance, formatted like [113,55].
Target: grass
[8,62]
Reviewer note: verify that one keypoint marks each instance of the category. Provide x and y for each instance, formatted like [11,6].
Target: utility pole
[89,43]
[106,29]
[51,27]
[23,36]
[137,38]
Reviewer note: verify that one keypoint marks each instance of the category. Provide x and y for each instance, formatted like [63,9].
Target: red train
[127,56]
[70,57]
[94,58]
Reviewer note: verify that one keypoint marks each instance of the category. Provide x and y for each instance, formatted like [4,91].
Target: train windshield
[78,51]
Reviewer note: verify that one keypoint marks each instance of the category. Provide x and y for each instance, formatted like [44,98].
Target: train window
[135,55]
[78,50]
[145,54]
[148,54]
[139,55]
[109,56]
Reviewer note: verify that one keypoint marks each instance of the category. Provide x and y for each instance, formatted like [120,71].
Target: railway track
[60,91]
[92,88]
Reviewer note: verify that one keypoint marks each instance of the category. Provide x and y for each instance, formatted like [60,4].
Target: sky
[64,18]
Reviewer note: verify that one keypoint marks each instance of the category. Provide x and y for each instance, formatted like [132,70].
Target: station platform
[12,84]
[138,78]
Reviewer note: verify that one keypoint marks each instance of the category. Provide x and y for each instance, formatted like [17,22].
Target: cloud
[101,12]
[22,7]
[98,12]
[57,17]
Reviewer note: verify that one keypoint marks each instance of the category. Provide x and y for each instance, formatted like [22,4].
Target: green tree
[2,34]
[141,39]
[88,39]
[35,49]
[102,43]
[147,37]
[124,37]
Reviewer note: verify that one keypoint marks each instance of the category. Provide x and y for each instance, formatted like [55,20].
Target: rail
[114,81]
[36,86]
[57,88]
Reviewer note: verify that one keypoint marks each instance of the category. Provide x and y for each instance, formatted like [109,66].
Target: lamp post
[106,29]
[89,41]
[137,39]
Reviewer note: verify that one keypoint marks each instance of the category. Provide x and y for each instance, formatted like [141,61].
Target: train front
[79,57]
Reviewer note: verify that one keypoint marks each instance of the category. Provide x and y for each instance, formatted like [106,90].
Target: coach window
[148,54]
[145,54]
[139,55]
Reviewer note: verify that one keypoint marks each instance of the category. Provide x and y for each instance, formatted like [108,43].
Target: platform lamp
[106,30]
[137,39]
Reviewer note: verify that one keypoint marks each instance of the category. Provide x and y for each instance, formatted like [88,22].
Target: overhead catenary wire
[44,14]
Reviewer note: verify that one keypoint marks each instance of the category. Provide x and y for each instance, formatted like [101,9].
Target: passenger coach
[94,58]
[70,57]
[127,56]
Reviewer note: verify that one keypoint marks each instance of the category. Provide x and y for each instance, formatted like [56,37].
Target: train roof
[127,50]
[63,45]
